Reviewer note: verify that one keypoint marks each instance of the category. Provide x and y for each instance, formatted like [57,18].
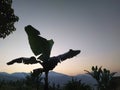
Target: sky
[92,26]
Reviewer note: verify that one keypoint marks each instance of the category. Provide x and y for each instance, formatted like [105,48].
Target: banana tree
[41,48]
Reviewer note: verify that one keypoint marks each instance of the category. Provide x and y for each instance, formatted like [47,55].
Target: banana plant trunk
[46,80]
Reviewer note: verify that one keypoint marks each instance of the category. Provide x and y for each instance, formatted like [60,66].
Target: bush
[76,85]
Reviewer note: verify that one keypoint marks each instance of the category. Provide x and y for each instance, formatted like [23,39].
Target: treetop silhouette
[7,18]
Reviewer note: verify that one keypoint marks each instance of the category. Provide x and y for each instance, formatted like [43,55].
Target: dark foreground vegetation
[29,84]
[103,77]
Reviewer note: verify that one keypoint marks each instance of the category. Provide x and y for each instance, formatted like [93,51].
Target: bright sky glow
[88,25]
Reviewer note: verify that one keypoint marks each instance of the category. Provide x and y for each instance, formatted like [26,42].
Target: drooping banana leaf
[25,60]
[53,61]
[39,45]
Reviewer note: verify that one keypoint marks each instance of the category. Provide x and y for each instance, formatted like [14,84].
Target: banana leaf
[39,45]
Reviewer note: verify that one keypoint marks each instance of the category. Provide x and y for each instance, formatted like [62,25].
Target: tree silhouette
[102,76]
[7,18]
[41,47]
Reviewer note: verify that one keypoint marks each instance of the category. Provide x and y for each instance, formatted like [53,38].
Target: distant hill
[54,77]
[14,76]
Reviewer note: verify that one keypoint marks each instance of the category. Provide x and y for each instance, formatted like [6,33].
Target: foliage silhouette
[76,85]
[33,80]
[102,76]
[7,18]
[28,84]
[38,44]
[42,47]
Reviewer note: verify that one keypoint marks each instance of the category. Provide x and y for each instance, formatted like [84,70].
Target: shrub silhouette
[33,80]
[102,76]
[7,18]
[41,47]
[76,85]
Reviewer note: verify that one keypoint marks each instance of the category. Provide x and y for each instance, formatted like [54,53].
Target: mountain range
[54,77]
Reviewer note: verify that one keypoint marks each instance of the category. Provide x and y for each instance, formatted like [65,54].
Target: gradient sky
[92,26]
